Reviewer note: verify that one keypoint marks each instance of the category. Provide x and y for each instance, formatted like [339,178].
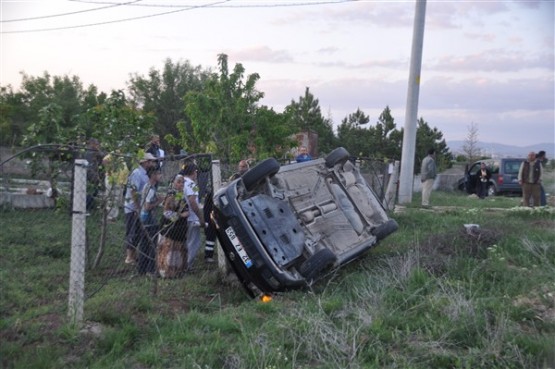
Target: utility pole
[409,135]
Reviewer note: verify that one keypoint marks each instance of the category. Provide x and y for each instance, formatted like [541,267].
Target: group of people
[165,243]
[168,243]
[530,177]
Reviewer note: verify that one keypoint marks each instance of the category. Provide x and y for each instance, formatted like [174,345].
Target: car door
[509,173]
[473,178]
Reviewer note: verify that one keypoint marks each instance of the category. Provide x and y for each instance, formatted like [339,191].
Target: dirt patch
[438,250]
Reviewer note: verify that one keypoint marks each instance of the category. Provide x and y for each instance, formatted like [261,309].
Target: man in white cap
[132,206]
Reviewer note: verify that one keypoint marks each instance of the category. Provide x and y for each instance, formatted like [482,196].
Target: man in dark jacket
[530,178]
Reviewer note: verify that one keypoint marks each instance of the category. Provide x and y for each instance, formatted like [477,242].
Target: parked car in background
[283,227]
[504,176]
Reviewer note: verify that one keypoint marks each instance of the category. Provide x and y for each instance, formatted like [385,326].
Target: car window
[511,167]
[474,168]
[494,167]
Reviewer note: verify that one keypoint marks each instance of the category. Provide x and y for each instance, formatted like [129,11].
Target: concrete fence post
[392,184]
[78,243]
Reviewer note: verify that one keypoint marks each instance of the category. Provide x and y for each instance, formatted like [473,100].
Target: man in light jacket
[428,175]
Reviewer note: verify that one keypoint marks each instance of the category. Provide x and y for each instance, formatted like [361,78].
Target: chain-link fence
[65,235]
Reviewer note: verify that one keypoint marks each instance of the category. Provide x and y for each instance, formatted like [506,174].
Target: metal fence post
[78,243]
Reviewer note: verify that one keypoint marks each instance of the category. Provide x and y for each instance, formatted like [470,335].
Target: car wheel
[491,190]
[317,263]
[255,175]
[338,155]
[385,229]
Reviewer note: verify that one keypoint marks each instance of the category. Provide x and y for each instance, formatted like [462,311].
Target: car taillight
[500,180]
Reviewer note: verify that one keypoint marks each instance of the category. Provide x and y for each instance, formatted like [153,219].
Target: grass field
[432,295]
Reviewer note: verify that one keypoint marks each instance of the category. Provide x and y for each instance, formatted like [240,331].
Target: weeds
[432,295]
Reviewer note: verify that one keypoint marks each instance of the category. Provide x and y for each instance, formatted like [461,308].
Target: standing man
[428,175]
[132,206]
[530,177]
[540,156]
[195,220]
[303,155]
[242,168]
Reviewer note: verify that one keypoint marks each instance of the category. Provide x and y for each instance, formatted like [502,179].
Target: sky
[485,63]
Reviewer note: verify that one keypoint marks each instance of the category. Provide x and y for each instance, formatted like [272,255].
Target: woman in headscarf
[172,251]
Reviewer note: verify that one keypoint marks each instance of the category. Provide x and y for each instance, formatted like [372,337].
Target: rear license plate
[238,247]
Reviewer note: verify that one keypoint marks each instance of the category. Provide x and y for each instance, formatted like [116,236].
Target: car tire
[338,155]
[491,190]
[255,175]
[317,263]
[385,229]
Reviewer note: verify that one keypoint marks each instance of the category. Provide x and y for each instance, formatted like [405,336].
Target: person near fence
[95,173]
[484,175]
[195,221]
[153,147]
[427,177]
[171,256]
[114,181]
[530,178]
[149,222]
[132,206]
[210,230]
[303,155]
[242,168]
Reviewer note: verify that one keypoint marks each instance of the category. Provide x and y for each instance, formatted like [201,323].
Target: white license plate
[238,247]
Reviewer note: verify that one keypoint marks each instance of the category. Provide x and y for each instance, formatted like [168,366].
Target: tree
[117,123]
[23,108]
[388,140]
[162,93]
[470,147]
[223,114]
[306,115]
[381,141]
[427,138]
[351,135]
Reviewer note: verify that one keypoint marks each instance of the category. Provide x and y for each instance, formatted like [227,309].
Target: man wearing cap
[195,220]
[132,205]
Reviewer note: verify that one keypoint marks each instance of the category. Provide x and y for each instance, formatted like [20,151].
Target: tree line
[196,109]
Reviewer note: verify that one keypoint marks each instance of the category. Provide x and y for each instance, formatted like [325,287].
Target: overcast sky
[490,63]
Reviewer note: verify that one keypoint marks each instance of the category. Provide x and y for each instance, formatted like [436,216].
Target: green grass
[429,296]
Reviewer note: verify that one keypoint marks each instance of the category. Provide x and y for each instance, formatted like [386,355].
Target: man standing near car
[428,175]
[530,177]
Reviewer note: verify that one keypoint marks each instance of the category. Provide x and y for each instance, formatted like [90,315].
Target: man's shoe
[129,261]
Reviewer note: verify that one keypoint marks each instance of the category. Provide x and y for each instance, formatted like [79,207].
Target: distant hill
[503,151]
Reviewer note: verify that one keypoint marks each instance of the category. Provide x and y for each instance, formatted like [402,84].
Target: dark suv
[504,176]
[283,227]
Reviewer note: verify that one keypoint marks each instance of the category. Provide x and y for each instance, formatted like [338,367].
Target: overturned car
[283,227]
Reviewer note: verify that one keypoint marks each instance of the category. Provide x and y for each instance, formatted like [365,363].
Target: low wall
[24,201]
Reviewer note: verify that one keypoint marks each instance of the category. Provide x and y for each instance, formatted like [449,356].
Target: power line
[70,13]
[220,4]
[261,4]
[115,21]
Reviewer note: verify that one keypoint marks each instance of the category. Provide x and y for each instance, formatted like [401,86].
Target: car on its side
[284,227]
[504,176]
